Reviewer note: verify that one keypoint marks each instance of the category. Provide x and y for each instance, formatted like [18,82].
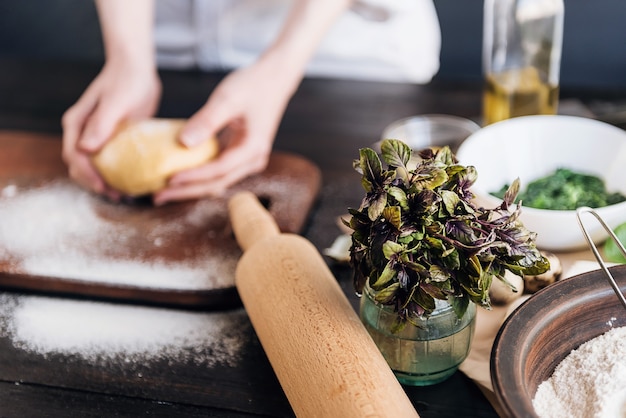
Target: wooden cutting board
[58,238]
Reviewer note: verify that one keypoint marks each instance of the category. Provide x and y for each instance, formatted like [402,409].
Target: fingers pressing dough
[142,155]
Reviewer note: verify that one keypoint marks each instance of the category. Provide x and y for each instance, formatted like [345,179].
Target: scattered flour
[9,190]
[122,272]
[56,231]
[589,383]
[102,332]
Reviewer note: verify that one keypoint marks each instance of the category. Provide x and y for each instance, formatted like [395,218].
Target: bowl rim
[552,118]
[459,121]
[496,201]
[509,344]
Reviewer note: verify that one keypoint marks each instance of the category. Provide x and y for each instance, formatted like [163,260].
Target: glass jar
[423,354]
[522,43]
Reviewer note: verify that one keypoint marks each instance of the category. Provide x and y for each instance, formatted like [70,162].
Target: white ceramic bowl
[530,147]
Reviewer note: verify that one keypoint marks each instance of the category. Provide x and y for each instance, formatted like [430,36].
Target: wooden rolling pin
[325,360]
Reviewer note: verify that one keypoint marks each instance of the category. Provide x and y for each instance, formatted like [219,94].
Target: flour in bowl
[589,383]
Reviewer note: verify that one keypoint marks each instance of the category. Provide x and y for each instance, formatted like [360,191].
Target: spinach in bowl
[565,190]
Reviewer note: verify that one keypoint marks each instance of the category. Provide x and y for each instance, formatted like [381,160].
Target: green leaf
[460,305]
[366,184]
[370,165]
[484,285]
[385,277]
[400,196]
[445,156]
[387,295]
[450,200]
[452,260]
[424,300]
[391,249]
[393,215]
[418,235]
[471,285]
[475,268]
[539,266]
[398,325]
[377,206]
[434,242]
[356,165]
[433,290]
[395,153]
[416,267]
[512,191]
[403,174]
[612,251]
[437,274]
[432,177]
[470,175]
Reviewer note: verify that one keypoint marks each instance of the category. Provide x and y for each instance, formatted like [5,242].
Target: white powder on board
[589,383]
[55,231]
[9,190]
[124,272]
[101,332]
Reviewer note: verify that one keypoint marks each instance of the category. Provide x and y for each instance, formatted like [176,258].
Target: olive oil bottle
[518,92]
[522,42]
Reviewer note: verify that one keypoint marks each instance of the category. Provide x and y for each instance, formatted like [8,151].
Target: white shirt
[379,40]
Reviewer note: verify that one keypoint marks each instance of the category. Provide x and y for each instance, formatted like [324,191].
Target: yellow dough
[142,155]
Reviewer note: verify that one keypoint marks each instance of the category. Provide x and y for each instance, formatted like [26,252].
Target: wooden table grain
[327,122]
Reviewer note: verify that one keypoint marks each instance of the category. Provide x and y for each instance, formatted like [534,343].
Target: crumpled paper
[488,323]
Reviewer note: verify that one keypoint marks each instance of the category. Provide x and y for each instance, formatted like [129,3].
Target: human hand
[245,110]
[120,92]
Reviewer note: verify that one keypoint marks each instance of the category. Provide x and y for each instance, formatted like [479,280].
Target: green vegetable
[566,190]
[417,235]
[611,251]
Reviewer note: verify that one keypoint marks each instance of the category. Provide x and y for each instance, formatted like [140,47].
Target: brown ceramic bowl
[539,334]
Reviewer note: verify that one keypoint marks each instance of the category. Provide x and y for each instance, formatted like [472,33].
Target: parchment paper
[476,366]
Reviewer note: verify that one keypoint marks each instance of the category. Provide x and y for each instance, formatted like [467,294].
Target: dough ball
[141,156]
[501,294]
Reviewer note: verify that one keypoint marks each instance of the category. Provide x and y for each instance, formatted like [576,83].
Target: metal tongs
[596,253]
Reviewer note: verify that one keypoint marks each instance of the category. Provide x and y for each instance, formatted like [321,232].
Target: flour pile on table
[55,231]
[100,332]
[589,383]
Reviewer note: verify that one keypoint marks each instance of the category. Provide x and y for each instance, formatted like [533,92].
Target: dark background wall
[594,52]
[63,29]
[594,42]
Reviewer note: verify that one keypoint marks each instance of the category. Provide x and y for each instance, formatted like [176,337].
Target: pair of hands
[245,109]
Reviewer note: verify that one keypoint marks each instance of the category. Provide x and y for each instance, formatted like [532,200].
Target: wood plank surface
[202,376]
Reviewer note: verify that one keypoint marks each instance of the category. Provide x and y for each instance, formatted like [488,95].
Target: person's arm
[127,28]
[127,88]
[306,26]
[249,103]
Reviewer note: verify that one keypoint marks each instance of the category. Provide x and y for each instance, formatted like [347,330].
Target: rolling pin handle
[251,222]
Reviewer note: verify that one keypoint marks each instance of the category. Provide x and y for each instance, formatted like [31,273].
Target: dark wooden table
[327,121]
